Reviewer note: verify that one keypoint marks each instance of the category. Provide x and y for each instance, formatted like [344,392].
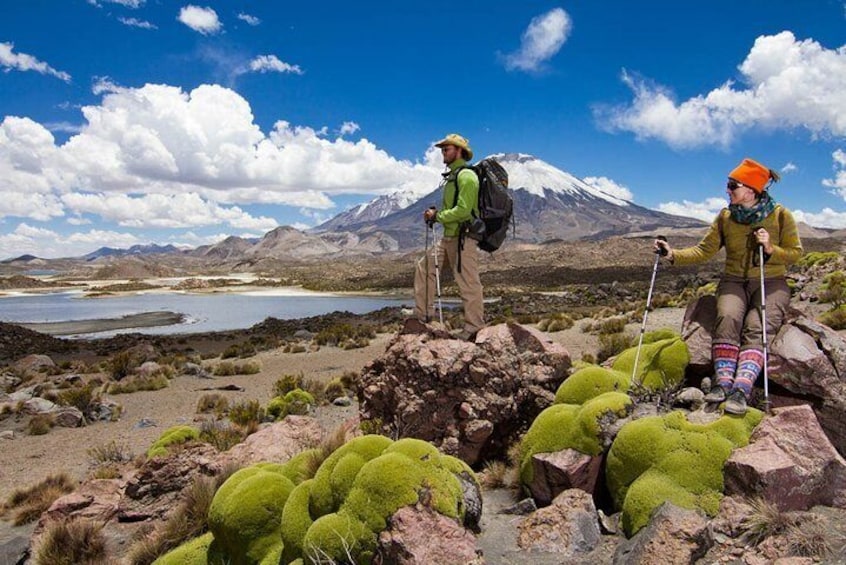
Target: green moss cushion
[569,426]
[172,436]
[296,520]
[667,458]
[589,382]
[245,515]
[194,552]
[296,401]
[663,359]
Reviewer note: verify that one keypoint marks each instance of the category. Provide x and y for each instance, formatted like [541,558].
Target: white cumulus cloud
[349,128]
[163,157]
[251,20]
[10,60]
[785,83]
[26,239]
[201,20]
[705,211]
[271,63]
[540,41]
[135,22]
[827,218]
[838,183]
[608,186]
[132,4]
[789,167]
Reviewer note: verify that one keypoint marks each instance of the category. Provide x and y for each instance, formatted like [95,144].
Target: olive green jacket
[468,199]
[741,245]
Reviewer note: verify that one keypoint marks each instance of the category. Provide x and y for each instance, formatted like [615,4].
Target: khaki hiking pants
[739,310]
[468,281]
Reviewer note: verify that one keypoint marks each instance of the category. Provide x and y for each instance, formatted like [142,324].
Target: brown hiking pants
[739,310]
[468,281]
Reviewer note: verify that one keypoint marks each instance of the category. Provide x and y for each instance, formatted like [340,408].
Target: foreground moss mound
[172,436]
[268,514]
[570,426]
[664,357]
[667,458]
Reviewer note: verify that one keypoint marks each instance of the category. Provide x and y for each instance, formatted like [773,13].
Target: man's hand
[763,237]
[429,215]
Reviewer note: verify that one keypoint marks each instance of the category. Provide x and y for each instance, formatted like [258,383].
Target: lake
[204,312]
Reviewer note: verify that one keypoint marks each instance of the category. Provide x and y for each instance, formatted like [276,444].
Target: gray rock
[789,462]
[522,508]
[39,406]
[23,394]
[569,526]
[673,535]
[68,417]
[7,434]
[105,410]
[342,401]
[145,423]
[690,396]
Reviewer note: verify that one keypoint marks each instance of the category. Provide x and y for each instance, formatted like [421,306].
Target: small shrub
[72,542]
[287,383]
[137,383]
[297,402]
[29,503]
[372,427]
[247,414]
[764,521]
[121,365]
[220,435]
[613,325]
[811,538]
[111,452]
[833,289]
[224,369]
[214,402]
[106,472]
[835,318]
[340,333]
[80,397]
[497,475]
[612,344]
[247,368]
[556,323]
[40,424]
[176,435]
[294,348]
[334,388]
[818,258]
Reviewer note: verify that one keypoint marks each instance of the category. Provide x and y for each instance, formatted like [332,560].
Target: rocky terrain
[148,427]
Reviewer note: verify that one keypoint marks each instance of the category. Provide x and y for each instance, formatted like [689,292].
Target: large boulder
[789,462]
[559,471]
[34,363]
[276,443]
[470,399]
[569,526]
[674,535]
[417,535]
[807,360]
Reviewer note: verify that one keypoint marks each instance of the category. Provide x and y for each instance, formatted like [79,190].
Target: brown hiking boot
[736,403]
[717,395]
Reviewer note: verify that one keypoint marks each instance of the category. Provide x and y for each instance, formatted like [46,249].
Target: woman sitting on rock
[752,219]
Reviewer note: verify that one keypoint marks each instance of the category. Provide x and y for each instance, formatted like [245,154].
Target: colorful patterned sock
[749,366]
[725,363]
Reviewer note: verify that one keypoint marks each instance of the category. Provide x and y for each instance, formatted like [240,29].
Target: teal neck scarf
[763,208]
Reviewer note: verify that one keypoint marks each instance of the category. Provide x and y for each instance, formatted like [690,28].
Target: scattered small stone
[304,335]
[225,387]
[609,524]
[522,508]
[145,423]
[342,401]
[690,396]
[7,434]
[737,551]
[68,417]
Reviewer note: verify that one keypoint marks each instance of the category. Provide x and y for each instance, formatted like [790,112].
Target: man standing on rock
[460,201]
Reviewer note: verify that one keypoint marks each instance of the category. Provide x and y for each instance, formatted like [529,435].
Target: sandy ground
[26,459]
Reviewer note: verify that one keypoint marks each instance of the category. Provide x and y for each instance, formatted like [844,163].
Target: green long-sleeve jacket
[468,199]
[741,245]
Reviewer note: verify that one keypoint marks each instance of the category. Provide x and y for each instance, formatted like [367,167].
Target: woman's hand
[763,237]
[660,244]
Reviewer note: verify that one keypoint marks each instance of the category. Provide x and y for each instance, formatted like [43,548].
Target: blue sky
[136,121]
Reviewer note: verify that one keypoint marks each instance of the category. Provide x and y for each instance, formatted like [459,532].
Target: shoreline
[96,325]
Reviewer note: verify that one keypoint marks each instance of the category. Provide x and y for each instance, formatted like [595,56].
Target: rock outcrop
[806,359]
[470,399]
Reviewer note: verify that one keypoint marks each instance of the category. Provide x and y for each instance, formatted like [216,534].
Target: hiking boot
[736,403]
[465,335]
[717,395]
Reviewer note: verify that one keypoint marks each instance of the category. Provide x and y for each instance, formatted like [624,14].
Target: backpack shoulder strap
[457,172]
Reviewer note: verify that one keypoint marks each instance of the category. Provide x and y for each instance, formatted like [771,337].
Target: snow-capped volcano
[548,204]
[538,177]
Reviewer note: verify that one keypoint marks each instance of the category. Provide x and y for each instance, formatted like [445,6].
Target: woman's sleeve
[702,251]
[788,249]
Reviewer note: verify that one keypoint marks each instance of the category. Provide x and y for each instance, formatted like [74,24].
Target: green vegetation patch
[173,436]
[664,357]
[668,459]
[297,402]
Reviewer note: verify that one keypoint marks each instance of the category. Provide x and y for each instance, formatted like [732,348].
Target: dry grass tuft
[215,403]
[497,474]
[765,520]
[40,424]
[220,434]
[72,542]
[108,453]
[29,503]
[326,448]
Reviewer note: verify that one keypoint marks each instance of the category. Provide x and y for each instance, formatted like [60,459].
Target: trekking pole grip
[662,251]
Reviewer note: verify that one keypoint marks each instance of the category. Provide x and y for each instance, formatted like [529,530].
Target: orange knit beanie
[753,174]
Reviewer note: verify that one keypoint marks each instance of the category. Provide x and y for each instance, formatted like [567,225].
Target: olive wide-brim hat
[457,141]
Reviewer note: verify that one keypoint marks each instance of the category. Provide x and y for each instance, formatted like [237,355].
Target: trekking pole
[660,252]
[437,272]
[426,258]
[764,328]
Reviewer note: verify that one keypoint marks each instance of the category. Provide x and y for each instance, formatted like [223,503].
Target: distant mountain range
[550,204]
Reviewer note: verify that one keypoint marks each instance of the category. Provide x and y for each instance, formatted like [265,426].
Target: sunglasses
[733,184]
